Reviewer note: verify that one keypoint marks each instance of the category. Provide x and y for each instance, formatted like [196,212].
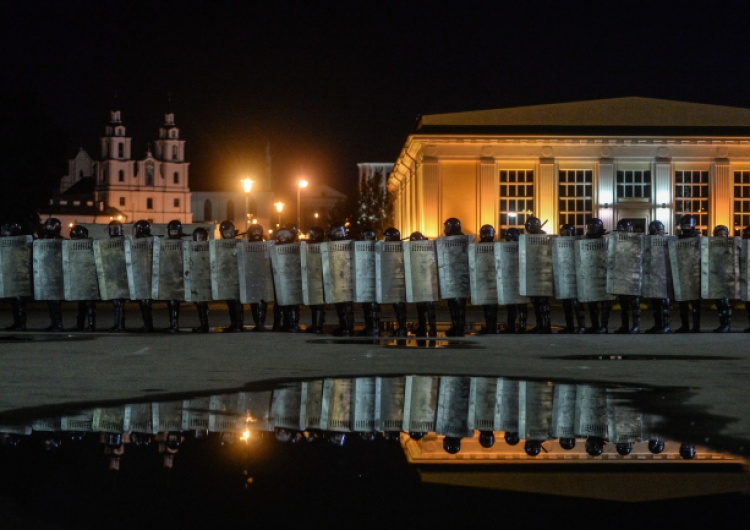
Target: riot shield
[337,402]
[363,271]
[506,265]
[482,273]
[720,267]
[139,257]
[534,410]
[81,422]
[624,423]
[563,411]
[48,270]
[453,407]
[79,270]
[196,266]
[390,276]
[420,271]
[108,419]
[420,403]
[166,416]
[591,411]
[336,257]
[745,270]
[657,273]
[564,268]
[506,405]
[255,271]
[254,410]
[15,266]
[285,407]
[591,270]
[168,272]
[287,273]
[624,257]
[224,415]
[363,404]
[389,403]
[111,269]
[138,418]
[482,403]
[453,266]
[312,274]
[195,413]
[685,261]
[311,404]
[225,282]
[535,265]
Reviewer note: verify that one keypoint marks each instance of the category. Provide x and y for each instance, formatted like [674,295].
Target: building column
[720,196]
[605,196]
[429,198]
[545,194]
[663,193]
[487,194]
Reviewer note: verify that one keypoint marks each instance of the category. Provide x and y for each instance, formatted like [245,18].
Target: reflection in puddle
[380,439]
[426,343]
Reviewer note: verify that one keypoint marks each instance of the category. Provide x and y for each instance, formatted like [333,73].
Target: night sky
[331,84]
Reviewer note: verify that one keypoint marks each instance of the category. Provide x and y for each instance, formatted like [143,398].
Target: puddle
[423,343]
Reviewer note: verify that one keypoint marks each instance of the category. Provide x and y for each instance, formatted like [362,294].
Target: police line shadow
[61,337]
[402,342]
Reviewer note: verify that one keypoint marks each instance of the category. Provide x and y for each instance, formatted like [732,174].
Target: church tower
[116,167]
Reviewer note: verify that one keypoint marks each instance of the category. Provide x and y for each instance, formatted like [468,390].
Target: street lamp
[301,184]
[247,185]
[279,208]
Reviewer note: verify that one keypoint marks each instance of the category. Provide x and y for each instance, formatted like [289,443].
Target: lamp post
[301,184]
[247,185]
[279,208]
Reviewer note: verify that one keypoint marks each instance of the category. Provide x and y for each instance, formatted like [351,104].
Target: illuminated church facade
[637,158]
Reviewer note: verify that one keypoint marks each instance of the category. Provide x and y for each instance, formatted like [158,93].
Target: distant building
[637,158]
[117,186]
[370,170]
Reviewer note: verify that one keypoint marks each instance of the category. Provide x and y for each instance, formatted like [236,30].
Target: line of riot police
[590,270]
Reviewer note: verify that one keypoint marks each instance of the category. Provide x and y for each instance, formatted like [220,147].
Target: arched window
[230,209]
[176,177]
[208,213]
[121,176]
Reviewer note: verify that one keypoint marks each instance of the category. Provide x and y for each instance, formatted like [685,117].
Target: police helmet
[337,232]
[115,228]
[227,229]
[416,435]
[567,230]
[53,226]
[624,225]
[511,438]
[174,229]
[624,448]
[392,234]
[721,231]
[78,232]
[174,440]
[687,451]
[567,443]
[284,236]
[255,232]
[656,228]
[486,439]
[595,227]
[594,446]
[687,225]
[487,234]
[532,447]
[417,236]
[656,446]
[142,228]
[368,234]
[452,227]
[511,234]
[200,234]
[10,230]
[451,445]
[533,225]
[315,235]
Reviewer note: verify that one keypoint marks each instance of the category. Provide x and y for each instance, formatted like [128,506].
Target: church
[119,186]
[637,158]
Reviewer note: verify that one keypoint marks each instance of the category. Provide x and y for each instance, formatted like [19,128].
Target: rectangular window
[149,203]
[122,201]
[574,193]
[741,201]
[634,184]
[176,177]
[176,203]
[691,197]
[516,195]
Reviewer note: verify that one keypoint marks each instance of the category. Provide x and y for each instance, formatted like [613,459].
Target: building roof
[85,186]
[630,115]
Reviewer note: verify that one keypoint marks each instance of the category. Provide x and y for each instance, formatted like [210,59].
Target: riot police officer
[17,303]
[259,309]
[746,235]
[426,321]
[174,231]
[201,234]
[290,313]
[318,312]
[541,305]
[115,231]
[371,310]
[344,310]
[659,306]
[51,230]
[86,315]
[723,307]
[142,229]
[487,235]
[630,305]
[234,307]
[687,228]
[456,306]
[515,310]
[571,306]
[595,230]
[399,308]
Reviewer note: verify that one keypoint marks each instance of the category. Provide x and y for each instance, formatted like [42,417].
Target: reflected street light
[247,185]
[279,208]
[301,184]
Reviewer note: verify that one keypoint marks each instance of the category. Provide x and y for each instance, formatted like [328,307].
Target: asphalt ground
[41,371]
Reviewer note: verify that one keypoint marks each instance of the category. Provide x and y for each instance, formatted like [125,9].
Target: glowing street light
[301,184]
[279,208]
[247,185]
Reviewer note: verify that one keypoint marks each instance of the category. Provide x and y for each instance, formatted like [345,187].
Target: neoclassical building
[637,158]
[118,186]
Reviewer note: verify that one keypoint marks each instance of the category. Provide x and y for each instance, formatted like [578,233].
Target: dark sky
[330,84]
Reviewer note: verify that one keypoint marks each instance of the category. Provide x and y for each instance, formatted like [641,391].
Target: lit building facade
[637,158]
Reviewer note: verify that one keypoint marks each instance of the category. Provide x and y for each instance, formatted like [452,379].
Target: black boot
[594,316]
[259,312]
[55,316]
[342,313]
[624,315]
[657,311]
[18,306]
[400,310]
[147,316]
[375,319]
[490,319]
[696,312]
[80,317]
[523,315]
[202,317]
[545,312]
[421,330]
[722,309]
[240,316]
[747,310]
[431,321]
[665,314]
[317,319]
[367,313]
[278,318]
[90,316]
[606,309]
[510,323]
[119,323]
[684,317]
[173,307]
[569,321]
[635,312]
[292,317]
[580,317]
